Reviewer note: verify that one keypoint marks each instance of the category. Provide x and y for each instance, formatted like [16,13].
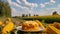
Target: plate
[20,28]
[31,30]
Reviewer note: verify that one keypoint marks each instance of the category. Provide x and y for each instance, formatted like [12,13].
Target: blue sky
[40,7]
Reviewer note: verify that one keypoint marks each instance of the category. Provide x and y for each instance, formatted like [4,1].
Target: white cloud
[14,12]
[14,3]
[32,5]
[58,5]
[23,7]
[53,9]
[42,5]
[24,2]
[18,1]
[28,3]
[46,3]
[52,1]
[17,5]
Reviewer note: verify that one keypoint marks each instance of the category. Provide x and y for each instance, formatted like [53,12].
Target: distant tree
[26,15]
[37,15]
[55,13]
[29,14]
[23,15]
[34,15]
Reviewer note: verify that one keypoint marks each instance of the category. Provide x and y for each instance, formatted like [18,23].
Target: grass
[48,19]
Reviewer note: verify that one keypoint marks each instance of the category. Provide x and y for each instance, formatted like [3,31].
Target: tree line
[26,15]
[5,10]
